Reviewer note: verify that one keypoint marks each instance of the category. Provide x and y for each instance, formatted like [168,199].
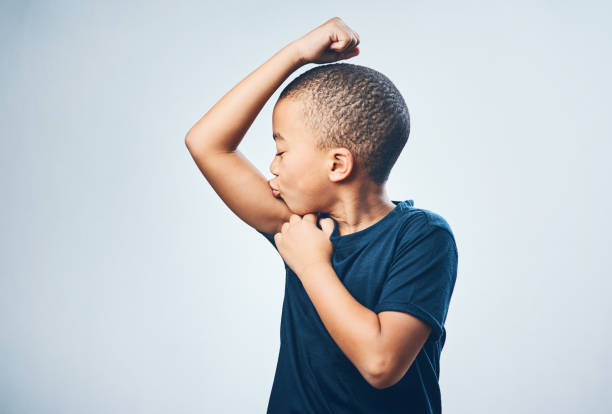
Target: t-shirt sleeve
[421,278]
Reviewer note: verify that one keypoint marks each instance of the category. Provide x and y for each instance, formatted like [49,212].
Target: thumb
[327,225]
[340,44]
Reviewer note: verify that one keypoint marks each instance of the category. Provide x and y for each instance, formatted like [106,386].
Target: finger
[352,41]
[351,53]
[294,218]
[327,225]
[284,227]
[311,218]
[341,44]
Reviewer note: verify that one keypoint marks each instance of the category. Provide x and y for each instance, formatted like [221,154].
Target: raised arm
[214,139]
[213,142]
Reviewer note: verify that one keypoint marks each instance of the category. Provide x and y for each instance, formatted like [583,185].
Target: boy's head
[340,123]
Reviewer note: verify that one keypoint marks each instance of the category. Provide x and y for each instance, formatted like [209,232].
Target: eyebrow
[278,136]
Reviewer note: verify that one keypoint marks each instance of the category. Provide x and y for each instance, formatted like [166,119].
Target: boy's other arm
[214,139]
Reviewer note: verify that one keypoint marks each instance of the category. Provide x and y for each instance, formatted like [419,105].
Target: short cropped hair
[354,107]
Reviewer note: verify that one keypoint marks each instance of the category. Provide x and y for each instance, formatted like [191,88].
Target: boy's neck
[357,213]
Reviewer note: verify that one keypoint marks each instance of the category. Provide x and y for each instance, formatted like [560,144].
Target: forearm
[225,124]
[354,328]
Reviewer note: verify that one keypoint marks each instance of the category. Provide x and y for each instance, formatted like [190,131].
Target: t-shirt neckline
[352,238]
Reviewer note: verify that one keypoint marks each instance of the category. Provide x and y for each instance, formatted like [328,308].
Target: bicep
[243,189]
[402,337]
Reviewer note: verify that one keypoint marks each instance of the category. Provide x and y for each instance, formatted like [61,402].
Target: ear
[340,164]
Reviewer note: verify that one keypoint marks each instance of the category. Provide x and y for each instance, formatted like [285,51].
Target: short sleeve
[421,278]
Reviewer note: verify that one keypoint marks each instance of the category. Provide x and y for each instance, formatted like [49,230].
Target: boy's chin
[302,212]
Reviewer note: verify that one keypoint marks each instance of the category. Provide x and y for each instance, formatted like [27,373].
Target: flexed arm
[214,139]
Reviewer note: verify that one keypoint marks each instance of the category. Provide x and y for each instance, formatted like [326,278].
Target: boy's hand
[331,41]
[302,244]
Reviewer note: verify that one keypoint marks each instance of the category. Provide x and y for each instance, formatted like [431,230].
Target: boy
[367,292]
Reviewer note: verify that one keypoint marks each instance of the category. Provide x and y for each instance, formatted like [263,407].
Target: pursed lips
[275,191]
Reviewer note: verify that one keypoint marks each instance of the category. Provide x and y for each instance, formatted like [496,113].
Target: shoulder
[417,223]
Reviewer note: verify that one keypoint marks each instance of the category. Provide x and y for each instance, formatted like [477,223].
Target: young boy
[368,279]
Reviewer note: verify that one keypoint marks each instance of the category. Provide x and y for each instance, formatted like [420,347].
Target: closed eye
[278,154]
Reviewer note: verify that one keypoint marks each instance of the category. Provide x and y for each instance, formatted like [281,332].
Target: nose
[273,168]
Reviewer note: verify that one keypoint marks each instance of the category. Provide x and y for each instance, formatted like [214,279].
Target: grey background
[127,286]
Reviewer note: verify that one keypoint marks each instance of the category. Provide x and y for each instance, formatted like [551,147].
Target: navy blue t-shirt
[406,261]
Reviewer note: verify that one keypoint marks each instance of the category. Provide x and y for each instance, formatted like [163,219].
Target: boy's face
[299,168]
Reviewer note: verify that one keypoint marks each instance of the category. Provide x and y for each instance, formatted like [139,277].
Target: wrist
[315,268]
[296,54]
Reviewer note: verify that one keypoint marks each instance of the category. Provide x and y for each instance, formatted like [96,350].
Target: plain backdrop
[127,286]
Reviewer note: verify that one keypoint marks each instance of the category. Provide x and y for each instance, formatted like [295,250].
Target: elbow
[187,140]
[383,375]
[383,383]
[380,382]
[377,375]
[192,144]
[191,137]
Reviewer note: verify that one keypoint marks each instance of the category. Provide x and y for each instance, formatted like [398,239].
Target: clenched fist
[302,244]
[330,42]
